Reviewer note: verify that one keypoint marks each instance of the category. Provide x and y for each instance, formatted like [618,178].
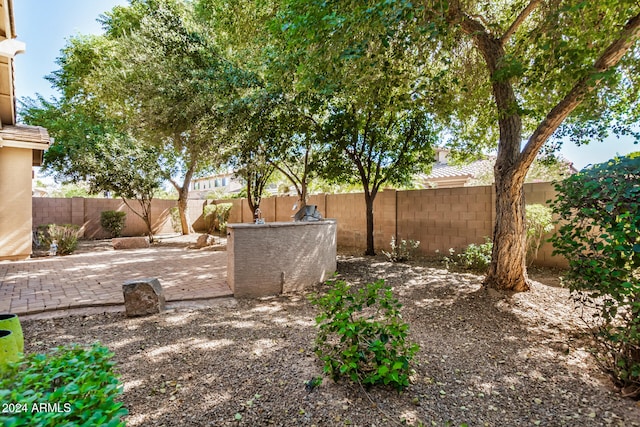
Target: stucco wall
[15,209]
[279,257]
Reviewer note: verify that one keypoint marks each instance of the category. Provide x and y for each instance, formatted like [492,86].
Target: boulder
[143,297]
[205,240]
[130,242]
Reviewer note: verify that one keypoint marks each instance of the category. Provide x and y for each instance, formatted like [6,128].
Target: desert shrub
[361,335]
[539,221]
[175,219]
[222,212]
[476,257]
[113,222]
[209,216]
[67,386]
[599,234]
[66,237]
[402,251]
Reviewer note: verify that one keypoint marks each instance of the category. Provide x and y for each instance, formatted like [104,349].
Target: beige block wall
[15,209]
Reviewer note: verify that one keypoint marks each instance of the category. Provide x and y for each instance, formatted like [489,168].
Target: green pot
[10,322]
[8,348]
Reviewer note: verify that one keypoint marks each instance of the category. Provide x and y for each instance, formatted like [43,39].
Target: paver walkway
[96,278]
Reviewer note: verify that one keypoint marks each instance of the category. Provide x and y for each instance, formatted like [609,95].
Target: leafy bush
[599,211]
[539,221]
[361,335]
[216,216]
[476,257]
[403,251]
[65,235]
[210,218]
[223,212]
[67,386]
[113,222]
[175,219]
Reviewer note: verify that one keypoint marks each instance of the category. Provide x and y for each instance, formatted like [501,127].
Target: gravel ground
[485,360]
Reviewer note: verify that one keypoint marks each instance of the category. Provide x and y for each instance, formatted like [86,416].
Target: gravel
[485,359]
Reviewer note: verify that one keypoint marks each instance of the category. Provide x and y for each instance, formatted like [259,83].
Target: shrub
[216,216]
[539,221]
[476,257]
[77,386]
[361,335]
[175,219]
[113,222]
[403,251]
[599,211]
[65,235]
[223,212]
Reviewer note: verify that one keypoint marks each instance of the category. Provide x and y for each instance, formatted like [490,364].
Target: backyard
[484,359]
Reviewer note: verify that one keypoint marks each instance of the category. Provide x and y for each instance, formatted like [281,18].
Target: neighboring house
[220,184]
[21,148]
[480,172]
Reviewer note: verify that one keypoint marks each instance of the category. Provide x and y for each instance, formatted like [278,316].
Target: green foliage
[216,216]
[113,222]
[402,251]
[476,257]
[599,217]
[77,384]
[209,216]
[361,335]
[175,219]
[66,237]
[539,221]
[222,213]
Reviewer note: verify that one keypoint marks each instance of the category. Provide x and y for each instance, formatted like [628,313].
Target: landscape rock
[205,240]
[130,242]
[143,297]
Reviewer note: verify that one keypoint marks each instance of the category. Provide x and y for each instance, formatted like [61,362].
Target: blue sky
[46,25]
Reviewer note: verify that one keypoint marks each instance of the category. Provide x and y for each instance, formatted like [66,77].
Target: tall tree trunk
[183,210]
[369,199]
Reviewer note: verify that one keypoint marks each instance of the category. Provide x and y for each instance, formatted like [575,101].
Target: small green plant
[113,222]
[402,251]
[476,257]
[67,386]
[361,335]
[599,234]
[539,221]
[222,212]
[66,237]
[175,219]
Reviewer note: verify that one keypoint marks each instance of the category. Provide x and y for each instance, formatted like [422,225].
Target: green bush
[539,221]
[361,335]
[66,237]
[210,218]
[476,257]
[599,212]
[69,386]
[113,222]
[403,251]
[175,219]
[216,216]
[223,212]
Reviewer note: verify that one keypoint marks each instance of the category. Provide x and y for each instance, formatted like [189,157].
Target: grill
[308,213]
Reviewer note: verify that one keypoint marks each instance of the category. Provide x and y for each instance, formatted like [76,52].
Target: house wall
[15,209]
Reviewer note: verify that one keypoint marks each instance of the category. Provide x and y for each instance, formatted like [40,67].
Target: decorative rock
[205,240]
[130,242]
[143,296]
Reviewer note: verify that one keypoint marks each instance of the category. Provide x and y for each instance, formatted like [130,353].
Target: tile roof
[24,134]
[471,170]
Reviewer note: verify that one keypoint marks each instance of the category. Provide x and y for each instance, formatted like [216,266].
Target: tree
[173,83]
[90,148]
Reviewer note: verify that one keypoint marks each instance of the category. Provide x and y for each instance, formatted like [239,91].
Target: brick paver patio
[96,278]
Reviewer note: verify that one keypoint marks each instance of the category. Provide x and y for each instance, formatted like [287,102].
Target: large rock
[130,242]
[205,240]
[143,297]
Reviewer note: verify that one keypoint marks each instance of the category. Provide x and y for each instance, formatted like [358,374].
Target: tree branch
[609,58]
[519,20]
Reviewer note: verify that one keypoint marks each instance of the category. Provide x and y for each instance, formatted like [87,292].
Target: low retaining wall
[268,259]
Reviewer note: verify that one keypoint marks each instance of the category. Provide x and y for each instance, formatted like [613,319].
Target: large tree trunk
[508,259]
[368,198]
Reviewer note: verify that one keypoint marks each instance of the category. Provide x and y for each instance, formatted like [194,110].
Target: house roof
[444,170]
[24,136]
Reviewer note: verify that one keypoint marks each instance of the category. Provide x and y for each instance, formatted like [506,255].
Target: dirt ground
[484,359]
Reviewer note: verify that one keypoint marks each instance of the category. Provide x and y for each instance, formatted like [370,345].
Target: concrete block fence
[439,218]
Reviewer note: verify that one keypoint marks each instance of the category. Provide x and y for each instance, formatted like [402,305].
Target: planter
[10,322]
[8,348]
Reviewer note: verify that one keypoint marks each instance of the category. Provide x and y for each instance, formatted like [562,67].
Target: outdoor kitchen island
[279,257]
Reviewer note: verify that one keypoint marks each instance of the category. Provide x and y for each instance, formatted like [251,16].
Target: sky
[46,25]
